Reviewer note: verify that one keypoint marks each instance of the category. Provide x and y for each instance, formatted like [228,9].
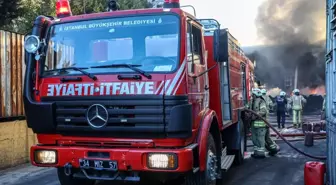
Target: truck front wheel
[208,177]
[70,180]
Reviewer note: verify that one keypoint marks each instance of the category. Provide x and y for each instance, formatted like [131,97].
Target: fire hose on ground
[284,139]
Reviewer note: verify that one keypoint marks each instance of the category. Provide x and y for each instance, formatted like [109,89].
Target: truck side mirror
[216,44]
[221,46]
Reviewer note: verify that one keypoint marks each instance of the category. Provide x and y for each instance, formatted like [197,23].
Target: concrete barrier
[15,141]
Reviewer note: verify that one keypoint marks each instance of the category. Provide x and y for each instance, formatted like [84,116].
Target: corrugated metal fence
[331,92]
[12,70]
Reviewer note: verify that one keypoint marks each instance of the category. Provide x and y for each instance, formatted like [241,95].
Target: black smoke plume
[293,32]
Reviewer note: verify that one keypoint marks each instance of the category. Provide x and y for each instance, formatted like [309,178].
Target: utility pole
[296,77]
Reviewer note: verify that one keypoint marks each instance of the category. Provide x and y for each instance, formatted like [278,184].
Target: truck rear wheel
[208,177]
[70,180]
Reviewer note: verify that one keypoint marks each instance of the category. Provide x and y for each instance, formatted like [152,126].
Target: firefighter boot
[270,144]
[259,153]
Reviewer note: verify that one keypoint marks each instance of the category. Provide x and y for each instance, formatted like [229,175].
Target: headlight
[162,161]
[45,156]
[32,43]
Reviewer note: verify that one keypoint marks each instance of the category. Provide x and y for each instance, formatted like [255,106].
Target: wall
[15,142]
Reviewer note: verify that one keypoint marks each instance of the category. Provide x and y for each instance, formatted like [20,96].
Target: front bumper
[127,158]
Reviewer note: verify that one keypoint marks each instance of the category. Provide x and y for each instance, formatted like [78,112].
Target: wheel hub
[211,168]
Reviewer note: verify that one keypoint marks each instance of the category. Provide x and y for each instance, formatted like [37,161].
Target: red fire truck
[135,95]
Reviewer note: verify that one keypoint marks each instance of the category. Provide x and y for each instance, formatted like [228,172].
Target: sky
[236,15]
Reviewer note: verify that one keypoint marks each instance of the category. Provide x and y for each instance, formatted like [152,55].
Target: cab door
[196,60]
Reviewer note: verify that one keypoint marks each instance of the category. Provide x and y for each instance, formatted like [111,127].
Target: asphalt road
[285,168]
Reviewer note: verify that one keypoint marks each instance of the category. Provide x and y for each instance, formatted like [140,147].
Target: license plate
[98,164]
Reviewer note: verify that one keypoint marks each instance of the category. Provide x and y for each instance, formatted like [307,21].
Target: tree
[87,6]
[135,4]
[32,8]
[9,10]
[94,6]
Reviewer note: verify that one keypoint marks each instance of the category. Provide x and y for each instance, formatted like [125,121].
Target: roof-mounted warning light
[63,9]
[112,5]
[171,4]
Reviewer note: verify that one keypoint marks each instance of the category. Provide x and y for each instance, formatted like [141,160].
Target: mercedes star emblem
[97,116]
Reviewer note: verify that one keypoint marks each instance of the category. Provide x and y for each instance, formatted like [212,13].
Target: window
[154,45]
[194,45]
[64,51]
[103,50]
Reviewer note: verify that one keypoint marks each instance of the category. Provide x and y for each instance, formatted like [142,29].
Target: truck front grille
[126,114]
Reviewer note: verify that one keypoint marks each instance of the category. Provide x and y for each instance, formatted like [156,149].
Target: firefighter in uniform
[268,100]
[281,102]
[258,127]
[269,143]
[297,101]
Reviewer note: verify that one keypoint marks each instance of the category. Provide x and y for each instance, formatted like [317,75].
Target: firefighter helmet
[282,93]
[296,91]
[256,91]
[263,91]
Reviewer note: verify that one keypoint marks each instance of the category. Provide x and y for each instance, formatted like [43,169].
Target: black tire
[239,154]
[70,180]
[200,178]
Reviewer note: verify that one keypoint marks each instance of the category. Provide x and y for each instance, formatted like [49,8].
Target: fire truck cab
[135,95]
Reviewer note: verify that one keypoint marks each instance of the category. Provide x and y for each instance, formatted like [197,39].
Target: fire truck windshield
[150,42]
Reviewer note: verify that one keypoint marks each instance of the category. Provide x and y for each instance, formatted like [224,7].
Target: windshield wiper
[80,69]
[130,66]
